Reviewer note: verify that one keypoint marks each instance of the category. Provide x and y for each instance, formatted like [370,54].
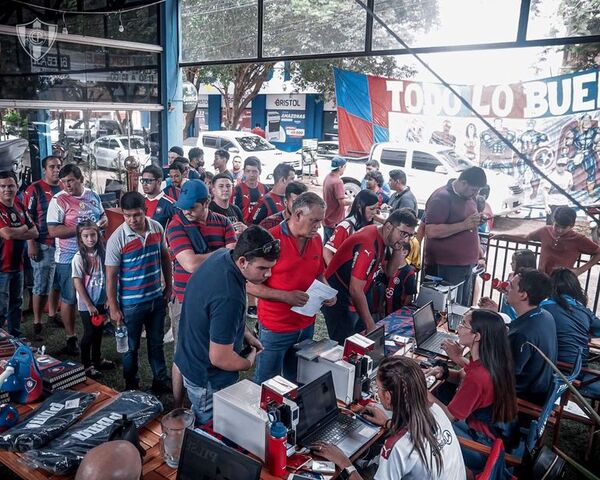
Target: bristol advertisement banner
[546,119]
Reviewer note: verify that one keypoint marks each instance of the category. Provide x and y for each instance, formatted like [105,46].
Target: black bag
[542,464]
[125,429]
[198,243]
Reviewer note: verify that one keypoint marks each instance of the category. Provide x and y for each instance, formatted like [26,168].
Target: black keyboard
[335,431]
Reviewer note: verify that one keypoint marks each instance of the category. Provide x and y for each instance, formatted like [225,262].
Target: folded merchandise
[63,454]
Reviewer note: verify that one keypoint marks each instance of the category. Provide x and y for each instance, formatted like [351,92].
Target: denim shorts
[65,283]
[43,271]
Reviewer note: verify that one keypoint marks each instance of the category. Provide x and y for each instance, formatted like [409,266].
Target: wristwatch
[349,470]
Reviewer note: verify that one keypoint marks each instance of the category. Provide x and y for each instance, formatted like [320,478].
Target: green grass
[572,440]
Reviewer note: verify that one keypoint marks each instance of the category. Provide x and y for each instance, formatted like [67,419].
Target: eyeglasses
[267,248]
[463,325]
[147,181]
[406,235]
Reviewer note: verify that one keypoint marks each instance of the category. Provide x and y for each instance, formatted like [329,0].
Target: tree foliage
[581,18]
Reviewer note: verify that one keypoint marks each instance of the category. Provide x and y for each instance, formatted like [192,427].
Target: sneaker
[105,364]
[91,372]
[72,348]
[168,338]
[162,386]
[37,332]
[56,321]
[252,312]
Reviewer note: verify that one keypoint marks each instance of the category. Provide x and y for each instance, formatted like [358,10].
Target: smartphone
[246,349]
[322,466]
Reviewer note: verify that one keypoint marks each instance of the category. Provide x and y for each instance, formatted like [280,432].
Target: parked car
[98,128]
[108,151]
[241,145]
[427,168]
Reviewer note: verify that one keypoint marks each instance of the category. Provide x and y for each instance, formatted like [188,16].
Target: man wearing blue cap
[334,196]
[193,234]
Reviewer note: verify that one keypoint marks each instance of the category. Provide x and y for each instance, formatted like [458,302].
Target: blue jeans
[473,460]
[201,399]
[11,300]
[341,321]
[454,274]
[150,314]
[64,280]
[279,357]
[43,271]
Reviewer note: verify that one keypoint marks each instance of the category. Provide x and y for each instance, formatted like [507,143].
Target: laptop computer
[206,458]
[322,420]
[378,352]
[427,338]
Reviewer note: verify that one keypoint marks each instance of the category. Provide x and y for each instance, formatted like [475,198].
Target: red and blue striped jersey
[270,204]
[11,251]
[36,199]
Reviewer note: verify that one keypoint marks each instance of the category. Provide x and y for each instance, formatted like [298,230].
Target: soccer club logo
[36,38]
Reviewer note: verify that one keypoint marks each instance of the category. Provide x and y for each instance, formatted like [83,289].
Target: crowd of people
[207,251]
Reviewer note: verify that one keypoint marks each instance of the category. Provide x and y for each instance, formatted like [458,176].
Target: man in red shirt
[193,234]
[292,191]
[15,228]
[41,250]
[561,245]
[335,197]
[300,263]
[353,267]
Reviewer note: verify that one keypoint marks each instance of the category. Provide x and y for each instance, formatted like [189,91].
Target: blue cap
[192,191]
[337,162]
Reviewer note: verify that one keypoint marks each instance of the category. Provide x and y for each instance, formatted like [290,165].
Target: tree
[581,18]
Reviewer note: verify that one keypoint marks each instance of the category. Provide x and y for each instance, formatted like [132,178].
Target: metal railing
[498,258]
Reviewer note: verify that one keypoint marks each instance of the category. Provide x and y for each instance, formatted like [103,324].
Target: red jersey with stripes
[246,198]
[139,260]
[295,270]
[11,251]
[172,191]
[269,204]
[37,199]
[218,232]
[341,232]
[272,221]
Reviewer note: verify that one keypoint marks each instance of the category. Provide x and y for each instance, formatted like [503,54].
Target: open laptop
[206,458]
[378,352]
[427,338]
[322,420]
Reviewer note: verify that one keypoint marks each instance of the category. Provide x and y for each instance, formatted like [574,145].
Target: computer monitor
[316,402]
[378,352]
[205,458]
[424,323]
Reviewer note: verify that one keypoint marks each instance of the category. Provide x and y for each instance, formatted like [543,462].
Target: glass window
[254,143]
[134,143]
[397,158]
[457,162]
[312,27]
[425,161]
[553,19]
[209,141]
[226,144]
[113,144]
[102,143]
[445,22]
[223,30]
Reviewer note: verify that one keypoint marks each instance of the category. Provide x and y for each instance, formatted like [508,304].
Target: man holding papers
[299,265]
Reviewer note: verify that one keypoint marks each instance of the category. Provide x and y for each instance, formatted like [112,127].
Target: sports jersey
[172,191]
[269,204]
[69,210]
[295,270]
[342,231]
[37,199]
[160,208]
[11,251]
[360,256]
[400,288]
[217,232]
[272,221]
[246,198]
[399,459]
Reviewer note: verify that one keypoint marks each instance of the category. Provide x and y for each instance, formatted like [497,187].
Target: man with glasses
[452,222]
[561,245]
[15,229]
[159,206]
[41,250]
[353,268]
[215,344]
[193,235]
[300,264]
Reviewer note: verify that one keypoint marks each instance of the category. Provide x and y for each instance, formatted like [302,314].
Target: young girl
[90,284]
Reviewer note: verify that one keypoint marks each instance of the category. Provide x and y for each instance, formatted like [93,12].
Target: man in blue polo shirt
[536,326]
[136,255]
[212,325]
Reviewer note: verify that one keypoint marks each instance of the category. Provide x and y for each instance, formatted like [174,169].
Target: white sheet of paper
[318,292]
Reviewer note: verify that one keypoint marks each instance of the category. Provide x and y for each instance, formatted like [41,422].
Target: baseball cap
[337,162]
[192,191]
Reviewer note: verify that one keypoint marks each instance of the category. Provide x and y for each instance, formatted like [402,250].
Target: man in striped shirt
[193,234]
[136,254]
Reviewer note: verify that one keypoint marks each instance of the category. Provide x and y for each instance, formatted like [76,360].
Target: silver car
[112,150]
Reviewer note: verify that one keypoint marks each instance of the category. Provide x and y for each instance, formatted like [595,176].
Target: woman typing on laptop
[420,442]
[484,406]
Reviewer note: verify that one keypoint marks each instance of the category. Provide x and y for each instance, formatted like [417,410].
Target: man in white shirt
[553,198]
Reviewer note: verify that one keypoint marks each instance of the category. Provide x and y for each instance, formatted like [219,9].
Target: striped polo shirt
[217,232]
[139,260]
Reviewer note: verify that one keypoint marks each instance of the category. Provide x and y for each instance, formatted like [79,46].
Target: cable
[504,140]
[75,12]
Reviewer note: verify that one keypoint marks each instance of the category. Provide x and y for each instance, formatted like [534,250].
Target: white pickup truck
[427,168]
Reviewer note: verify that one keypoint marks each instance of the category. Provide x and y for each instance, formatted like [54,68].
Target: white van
[427,168]
[241,145]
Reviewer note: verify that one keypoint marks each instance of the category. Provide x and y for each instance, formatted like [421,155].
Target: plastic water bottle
[276,451]
[122,339]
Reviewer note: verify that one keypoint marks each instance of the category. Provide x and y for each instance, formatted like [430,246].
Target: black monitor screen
[424,322]
[204,458]
[378,352]
[316,400]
